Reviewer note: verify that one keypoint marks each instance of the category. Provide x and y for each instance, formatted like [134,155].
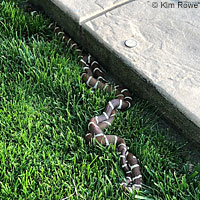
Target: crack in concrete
[87,19]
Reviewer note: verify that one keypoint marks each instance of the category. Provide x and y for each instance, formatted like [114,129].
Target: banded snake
[93,76]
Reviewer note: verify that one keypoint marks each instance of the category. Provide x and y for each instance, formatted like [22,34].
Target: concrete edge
[121,70]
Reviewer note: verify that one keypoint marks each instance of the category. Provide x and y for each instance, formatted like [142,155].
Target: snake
[93,75]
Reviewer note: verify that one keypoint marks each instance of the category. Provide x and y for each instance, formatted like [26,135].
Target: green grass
[44,112]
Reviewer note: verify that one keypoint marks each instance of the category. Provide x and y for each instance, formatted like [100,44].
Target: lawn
[44,112]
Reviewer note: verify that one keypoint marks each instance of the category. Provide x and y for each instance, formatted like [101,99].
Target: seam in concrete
[87,19]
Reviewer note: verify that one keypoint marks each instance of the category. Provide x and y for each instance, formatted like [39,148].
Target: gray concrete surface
[164,66]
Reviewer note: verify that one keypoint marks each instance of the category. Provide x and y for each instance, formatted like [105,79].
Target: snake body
[93,76]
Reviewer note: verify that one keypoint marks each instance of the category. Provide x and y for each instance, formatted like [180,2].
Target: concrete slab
[167,54]
[164,65]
